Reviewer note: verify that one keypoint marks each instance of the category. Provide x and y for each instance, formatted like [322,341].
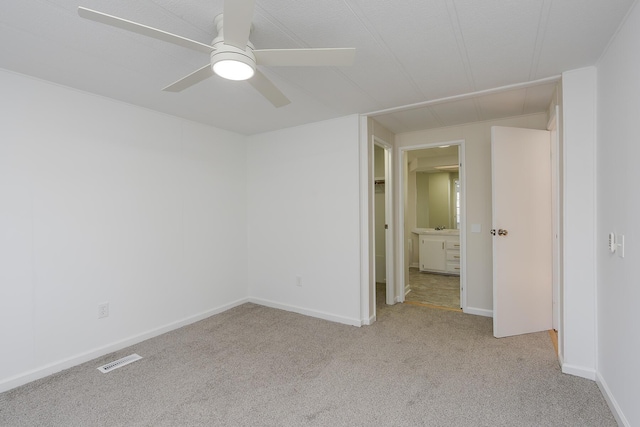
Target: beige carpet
[258,366]
[435,289]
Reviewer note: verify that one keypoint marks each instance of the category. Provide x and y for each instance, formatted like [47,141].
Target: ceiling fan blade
[193,78]
[268,90]
[236,22]
[305,57]
[114,21]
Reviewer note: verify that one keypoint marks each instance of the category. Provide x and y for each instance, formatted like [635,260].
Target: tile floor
[427,288]
[435,289]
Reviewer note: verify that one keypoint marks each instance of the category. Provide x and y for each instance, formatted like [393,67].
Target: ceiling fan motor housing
[228,61]
[233,63]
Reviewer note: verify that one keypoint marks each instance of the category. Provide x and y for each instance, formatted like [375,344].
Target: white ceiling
[408,52]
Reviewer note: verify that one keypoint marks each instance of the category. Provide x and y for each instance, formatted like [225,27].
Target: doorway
[383,222]
[431,225]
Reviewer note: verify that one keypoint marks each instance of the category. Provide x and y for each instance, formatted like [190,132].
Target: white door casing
[402,253]
[555,211]
[388,213]
[522,245]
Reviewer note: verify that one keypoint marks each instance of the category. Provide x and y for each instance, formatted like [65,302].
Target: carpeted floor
[435,289]
[258,366]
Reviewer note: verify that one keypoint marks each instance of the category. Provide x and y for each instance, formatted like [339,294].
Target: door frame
[388,213]
[401,243]
[553,127]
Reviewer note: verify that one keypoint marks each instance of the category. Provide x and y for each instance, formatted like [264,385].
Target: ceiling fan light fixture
[231,69]
[232,63]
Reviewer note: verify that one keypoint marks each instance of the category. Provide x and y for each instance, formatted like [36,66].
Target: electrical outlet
[299,281]
[103,310]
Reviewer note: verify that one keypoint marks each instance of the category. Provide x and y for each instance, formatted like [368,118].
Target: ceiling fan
[232,55]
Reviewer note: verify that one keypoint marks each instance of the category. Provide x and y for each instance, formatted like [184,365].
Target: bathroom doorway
[433,222]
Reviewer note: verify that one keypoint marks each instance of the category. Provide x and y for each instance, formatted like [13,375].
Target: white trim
[399,221]
[400,242]
[476,94]
[389,219]
[578,371]
[307,312]
[462,178]
[366,255]
[553,120]
[72,361]
[479,311]
[552,126]
[611,401]
[369,321]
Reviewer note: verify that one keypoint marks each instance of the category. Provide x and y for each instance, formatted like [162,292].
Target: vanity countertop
[433,231]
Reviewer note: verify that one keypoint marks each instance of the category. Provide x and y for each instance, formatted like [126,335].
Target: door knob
[502,232]
[493,231]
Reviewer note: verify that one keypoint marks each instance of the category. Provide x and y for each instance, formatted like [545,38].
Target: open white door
[522,228]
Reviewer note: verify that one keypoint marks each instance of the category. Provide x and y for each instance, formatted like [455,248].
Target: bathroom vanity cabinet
[452,251]
[439,251]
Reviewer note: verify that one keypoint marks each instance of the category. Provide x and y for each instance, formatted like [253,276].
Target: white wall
[618,175]
[579,144]
[102,201]
[304,219]
[477,137]
[422,197]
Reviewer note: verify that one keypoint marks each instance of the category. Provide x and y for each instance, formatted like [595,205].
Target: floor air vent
[119,363]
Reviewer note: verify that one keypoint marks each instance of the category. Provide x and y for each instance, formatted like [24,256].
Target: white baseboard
[478,311]
[72,361]
[560,357]
[307,312]
[369,321]
[578,371]
[414,265]
[611,401]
